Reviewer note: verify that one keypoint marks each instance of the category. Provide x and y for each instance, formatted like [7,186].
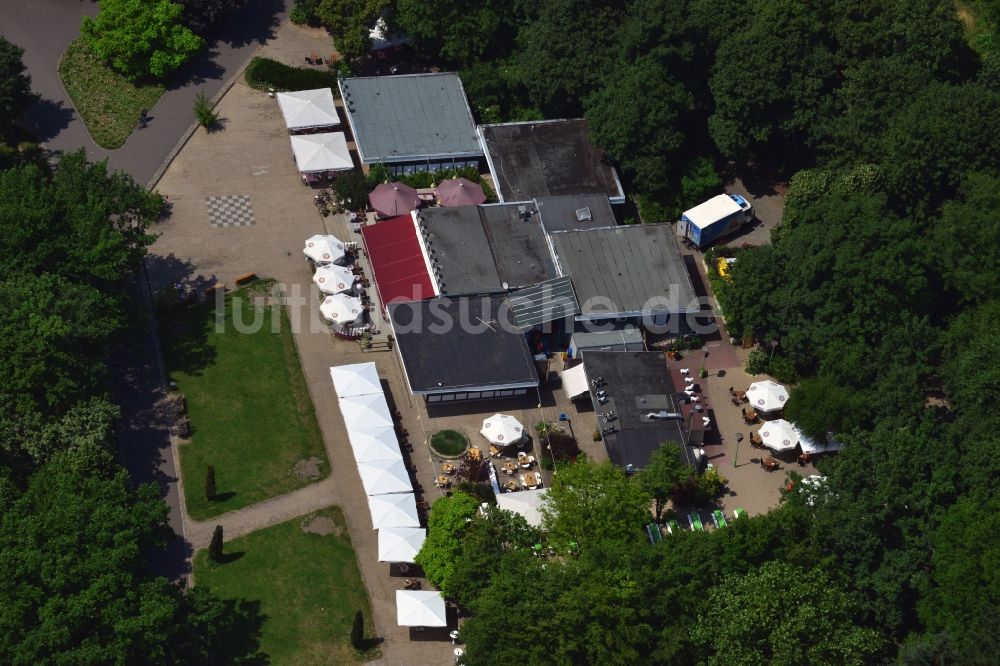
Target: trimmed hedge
[264,73]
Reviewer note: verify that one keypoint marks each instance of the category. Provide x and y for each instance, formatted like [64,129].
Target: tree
[449,517]
[210,489]
[358,631]
[463,32]
[350,22]
[781,614]
[204,112]
[141,38]
[664,473]
[969,222]
[589,502]
[215,546]
[15,87]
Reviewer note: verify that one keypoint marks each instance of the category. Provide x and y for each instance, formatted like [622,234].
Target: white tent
[574,381]
[316,153]
[333,279]
[400,544]
[355,379]
[370,445]
[767,396]
[502,429]
[811,446]
[396,510]
[528,503]
[779,435]
[324,249]
[416,608]
[304,109]
[365,412]
[383,477]
[341,309]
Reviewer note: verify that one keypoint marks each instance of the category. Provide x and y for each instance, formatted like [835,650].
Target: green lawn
[108,102]
[250,411]
[308,587]
[448,442]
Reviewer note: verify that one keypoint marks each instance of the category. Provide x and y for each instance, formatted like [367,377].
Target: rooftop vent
[583,215]
[664,415]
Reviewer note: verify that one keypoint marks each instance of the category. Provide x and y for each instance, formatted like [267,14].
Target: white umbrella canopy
[417,608]
[316,153]
[767,396]
[333,279]
[371,445]
[400,544]
[355,379]
[308,108]
[396,510]
[365,412]
[502,429]
[779,435]
[324,249]
[383,477]
[341,309]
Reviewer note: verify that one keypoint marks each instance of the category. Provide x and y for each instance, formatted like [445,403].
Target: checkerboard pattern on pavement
[230,210]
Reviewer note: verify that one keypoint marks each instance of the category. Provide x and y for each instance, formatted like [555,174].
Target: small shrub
[215,547]
[358,631]
[204,112]
[304,13]
[351,190]
[210,489]
[756,362]
[481,491]
[783,370]
[448,442]
[651,211]
[264,73]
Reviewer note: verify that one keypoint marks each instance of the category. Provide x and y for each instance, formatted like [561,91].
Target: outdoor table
[510,485]
[509,467]
[447,468]
[442,481]
[474,453]
[531,479]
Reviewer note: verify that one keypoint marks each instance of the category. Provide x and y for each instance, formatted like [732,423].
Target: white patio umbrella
[767,396]
[308,108]
[396,510]
[355,379]
[383,477]
[324,249]
[502,429]
[779,435]
[370,445]
[400,544]
[417,608]
[341,309]
[365,412]
[333,279]
[316,153]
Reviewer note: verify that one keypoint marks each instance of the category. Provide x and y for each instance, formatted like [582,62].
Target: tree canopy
[15,87]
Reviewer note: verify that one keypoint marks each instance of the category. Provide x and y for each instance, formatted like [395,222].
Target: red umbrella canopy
[460,192]
[394,199]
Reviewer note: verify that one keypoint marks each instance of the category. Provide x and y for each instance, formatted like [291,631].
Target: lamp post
[739,438]
[774,343]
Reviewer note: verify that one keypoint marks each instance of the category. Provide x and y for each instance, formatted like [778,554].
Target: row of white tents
[391,501]
[314,111]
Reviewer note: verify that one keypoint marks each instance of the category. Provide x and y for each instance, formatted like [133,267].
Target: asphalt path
[44,28]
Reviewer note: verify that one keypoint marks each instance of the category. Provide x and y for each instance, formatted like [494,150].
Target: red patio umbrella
[392,199]
[460,192]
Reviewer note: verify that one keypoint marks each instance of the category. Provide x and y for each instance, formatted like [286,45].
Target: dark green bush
[264,73]
[756,362]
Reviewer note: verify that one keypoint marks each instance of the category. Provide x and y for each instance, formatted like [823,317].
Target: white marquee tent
[396,510]
[811,446]
[574,381]
[355,379]
[317,153]
[341,309]
[324,249]
[384,477]
[767,396]
[528,503]
[333,279]
[306,109]
[416,608]
[779,435]
[502,429]
[400,544]
[370,445]
[365,412]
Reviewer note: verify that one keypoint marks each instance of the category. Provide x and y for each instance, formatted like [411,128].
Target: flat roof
[398,265]
[479,249]
[628,269]
[409,117]
[711,211]
[546,301]
[460,344]
[547,158]
[620,338]
[637,384]
[571,213]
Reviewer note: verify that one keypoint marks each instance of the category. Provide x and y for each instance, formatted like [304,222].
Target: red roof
[397,261]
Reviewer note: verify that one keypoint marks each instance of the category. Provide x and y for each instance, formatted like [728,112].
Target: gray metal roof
[630,269]
[571,213]
[479,249]
[616,338]
[547,158]
[544,302]
[409,117]
[461,343]
[636,384]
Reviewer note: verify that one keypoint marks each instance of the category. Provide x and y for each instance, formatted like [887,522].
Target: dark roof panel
[573,213]
[545,302]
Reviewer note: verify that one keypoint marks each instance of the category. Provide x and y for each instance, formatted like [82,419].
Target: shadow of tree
[238,641]
[255,22]
[49,118]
